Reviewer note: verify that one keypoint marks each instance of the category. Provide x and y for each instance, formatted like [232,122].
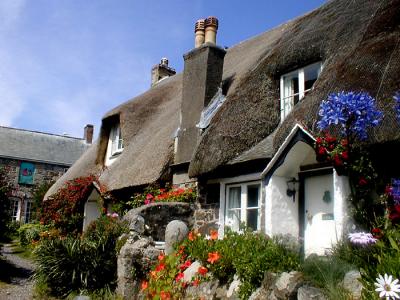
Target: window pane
[311,73]
[291,87]
[234,204]
[234,197]
[253,194]
[252,219]
[233,219]
[15,205]
[28,211]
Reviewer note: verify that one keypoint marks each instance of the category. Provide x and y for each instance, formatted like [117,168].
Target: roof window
[115,144]
[296,84]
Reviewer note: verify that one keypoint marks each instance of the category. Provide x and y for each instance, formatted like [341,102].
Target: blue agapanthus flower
[396,98]
[353,112]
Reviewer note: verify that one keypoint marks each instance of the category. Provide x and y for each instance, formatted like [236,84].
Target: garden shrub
[30,232]
[89,263]
[247,254]
[64,209]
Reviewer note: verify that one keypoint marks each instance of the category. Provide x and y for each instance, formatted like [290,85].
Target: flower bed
[220,259]
[154,194]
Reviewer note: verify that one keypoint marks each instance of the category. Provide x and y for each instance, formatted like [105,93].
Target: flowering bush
[64,209]
[221,259]
[166,278]
[153,194]
[327,148]
[353,112]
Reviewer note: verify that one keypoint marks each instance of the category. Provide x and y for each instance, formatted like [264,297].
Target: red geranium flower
[202,270]
[214,234]
[165,295]
[179,276]
[377,233]
[213,257]
[144,284]
[160,267]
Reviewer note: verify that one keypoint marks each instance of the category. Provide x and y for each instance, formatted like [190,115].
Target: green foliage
[327,273]
[5,207]
[89,263]
[247,254]
[29,233]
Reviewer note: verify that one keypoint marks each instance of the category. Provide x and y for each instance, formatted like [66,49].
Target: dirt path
[16,271]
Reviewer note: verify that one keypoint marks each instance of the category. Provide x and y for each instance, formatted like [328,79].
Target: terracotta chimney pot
[199,33]
[211,27]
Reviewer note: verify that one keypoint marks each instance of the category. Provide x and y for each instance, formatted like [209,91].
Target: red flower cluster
[328,148]
[175,194]
[394,213]
[64,209]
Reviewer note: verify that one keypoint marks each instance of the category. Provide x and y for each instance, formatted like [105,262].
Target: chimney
[161,71]
[88,133]
[202,76]
[211,27]
[199,33]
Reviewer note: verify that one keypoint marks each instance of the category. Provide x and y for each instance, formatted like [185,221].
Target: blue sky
[65,63]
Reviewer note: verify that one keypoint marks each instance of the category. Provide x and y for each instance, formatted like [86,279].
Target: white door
[319,220]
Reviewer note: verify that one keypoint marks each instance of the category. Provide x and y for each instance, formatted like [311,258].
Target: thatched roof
[358,41]
[148,124]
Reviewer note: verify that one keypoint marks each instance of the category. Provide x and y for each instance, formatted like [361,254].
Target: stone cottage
[33,158]
[240,123]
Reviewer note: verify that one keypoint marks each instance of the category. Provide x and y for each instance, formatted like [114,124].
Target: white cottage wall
[282,213]
[341,188]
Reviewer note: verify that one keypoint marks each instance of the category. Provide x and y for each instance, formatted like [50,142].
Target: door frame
[303,175]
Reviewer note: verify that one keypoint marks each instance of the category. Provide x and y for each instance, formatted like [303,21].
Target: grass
[23,252]
[327,273]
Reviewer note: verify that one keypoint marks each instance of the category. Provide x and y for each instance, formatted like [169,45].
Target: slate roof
[43,147]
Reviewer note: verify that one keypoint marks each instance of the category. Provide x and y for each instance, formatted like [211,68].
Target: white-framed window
[15,209]
[295,85]
[115,143]
[28,210]
[243,201]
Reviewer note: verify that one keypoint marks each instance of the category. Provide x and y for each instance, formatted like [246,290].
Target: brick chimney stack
[88,133]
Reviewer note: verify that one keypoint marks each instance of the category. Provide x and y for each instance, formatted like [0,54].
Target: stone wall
[44,173]
[156,217]
[148,224]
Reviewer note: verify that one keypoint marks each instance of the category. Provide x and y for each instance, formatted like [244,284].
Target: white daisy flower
[387,287]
